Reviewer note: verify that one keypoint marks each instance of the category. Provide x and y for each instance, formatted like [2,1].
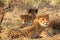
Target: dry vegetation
[11,24]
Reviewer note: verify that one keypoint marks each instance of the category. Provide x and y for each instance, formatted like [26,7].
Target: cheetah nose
[46,23]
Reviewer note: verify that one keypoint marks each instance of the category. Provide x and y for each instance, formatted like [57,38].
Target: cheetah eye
[27,18]
[24,21]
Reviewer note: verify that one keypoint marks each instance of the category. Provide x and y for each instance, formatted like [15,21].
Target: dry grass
[12,20]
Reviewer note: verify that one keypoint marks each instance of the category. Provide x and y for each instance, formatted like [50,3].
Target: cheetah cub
[35,30]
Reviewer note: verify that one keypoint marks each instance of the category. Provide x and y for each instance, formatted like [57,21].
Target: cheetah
[33,31]
[43,20]
[27,20]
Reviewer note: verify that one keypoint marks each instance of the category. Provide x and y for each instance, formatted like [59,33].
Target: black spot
[1,4]
[14,36]
[1,29]
[9,8]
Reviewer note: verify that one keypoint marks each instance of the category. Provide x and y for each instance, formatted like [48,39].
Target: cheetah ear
[32,10]
[29,11]
[36,11]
